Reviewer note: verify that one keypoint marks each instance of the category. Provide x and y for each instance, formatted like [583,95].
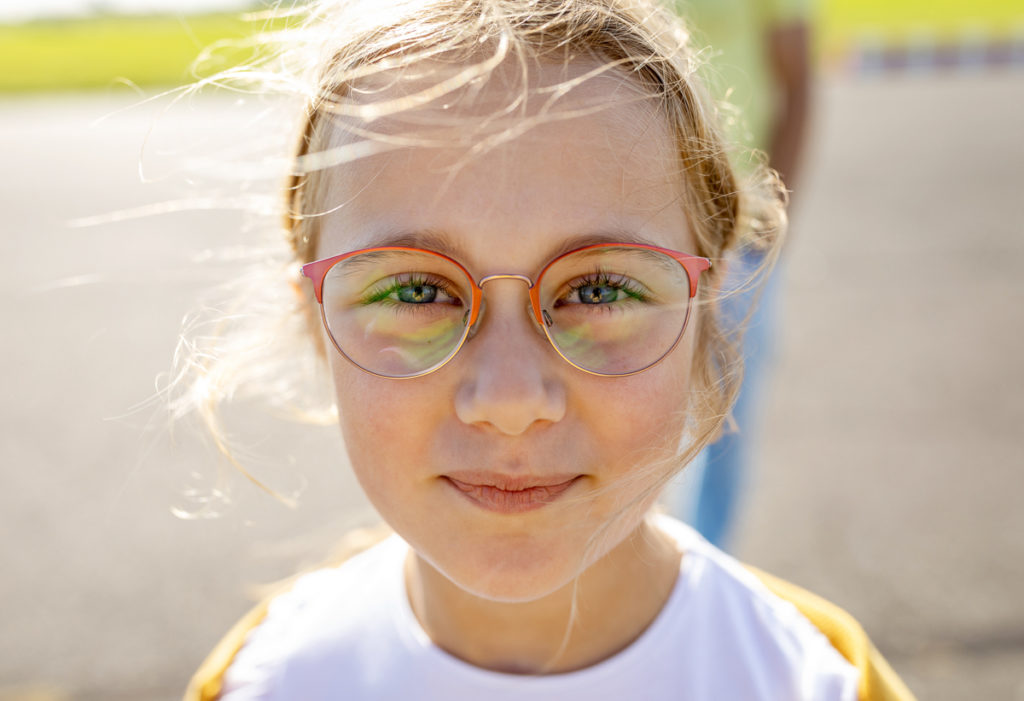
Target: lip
[510,494]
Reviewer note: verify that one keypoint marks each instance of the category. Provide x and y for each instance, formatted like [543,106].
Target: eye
[602,289]
[413,289]
[597,294]
[417,294]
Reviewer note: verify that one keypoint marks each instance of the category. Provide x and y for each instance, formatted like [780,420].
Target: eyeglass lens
[608,310]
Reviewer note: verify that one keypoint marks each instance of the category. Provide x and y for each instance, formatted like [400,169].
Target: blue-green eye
[417,294]
[412,290]
[597,294]
[603,290]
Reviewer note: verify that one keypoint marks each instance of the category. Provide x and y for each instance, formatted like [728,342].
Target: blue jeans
[709,494]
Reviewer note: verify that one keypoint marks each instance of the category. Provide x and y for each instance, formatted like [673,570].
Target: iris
[597,294]
[417,294]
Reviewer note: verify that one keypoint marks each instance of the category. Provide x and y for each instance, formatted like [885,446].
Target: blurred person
[506,330]
[758,61]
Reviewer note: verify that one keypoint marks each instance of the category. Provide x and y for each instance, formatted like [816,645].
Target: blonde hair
[333,48]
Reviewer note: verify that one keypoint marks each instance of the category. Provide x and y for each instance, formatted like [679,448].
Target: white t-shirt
[348,633]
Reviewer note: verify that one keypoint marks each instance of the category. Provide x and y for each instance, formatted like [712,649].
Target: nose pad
[476,325]
[528,310]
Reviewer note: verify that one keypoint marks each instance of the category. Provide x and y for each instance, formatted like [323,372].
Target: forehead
[528,160]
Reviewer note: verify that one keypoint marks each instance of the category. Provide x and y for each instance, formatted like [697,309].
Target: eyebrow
[430,239]
[613,236]
[441,242]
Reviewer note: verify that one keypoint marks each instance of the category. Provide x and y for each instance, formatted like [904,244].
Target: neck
[616,599]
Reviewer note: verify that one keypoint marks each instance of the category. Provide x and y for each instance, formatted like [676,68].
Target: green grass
[154,51]
[100,52]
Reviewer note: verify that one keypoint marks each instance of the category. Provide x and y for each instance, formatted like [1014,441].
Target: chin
[507,574]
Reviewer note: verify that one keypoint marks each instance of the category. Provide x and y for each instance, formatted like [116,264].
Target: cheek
[386,426]
[648,439]
[366,414]
[360,415]
[658,400]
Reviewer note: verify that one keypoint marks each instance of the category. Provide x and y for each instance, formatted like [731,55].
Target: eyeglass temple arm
[694,265]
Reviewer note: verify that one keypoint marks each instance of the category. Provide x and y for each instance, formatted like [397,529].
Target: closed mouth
[506,494]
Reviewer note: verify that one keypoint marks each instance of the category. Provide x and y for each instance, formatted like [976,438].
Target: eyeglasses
[609,309]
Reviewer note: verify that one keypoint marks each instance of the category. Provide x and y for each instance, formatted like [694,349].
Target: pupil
[418,294]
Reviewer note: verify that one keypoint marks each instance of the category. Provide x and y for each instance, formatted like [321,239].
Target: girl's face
[441,455]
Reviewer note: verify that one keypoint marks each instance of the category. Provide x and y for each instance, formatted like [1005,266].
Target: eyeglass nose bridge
[539,315]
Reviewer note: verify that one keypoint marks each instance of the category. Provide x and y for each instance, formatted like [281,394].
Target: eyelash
[381,294]
[620,282]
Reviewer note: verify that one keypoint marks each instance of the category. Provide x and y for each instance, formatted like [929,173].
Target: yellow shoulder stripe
[206,682]
[878,682]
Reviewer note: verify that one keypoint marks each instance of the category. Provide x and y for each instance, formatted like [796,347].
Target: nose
[510,382]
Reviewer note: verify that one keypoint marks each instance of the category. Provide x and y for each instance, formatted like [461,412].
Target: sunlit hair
[355,63]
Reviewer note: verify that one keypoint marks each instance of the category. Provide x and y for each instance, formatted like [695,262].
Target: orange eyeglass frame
[316,271]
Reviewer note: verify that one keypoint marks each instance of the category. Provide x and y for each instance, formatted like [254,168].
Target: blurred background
[892,460]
